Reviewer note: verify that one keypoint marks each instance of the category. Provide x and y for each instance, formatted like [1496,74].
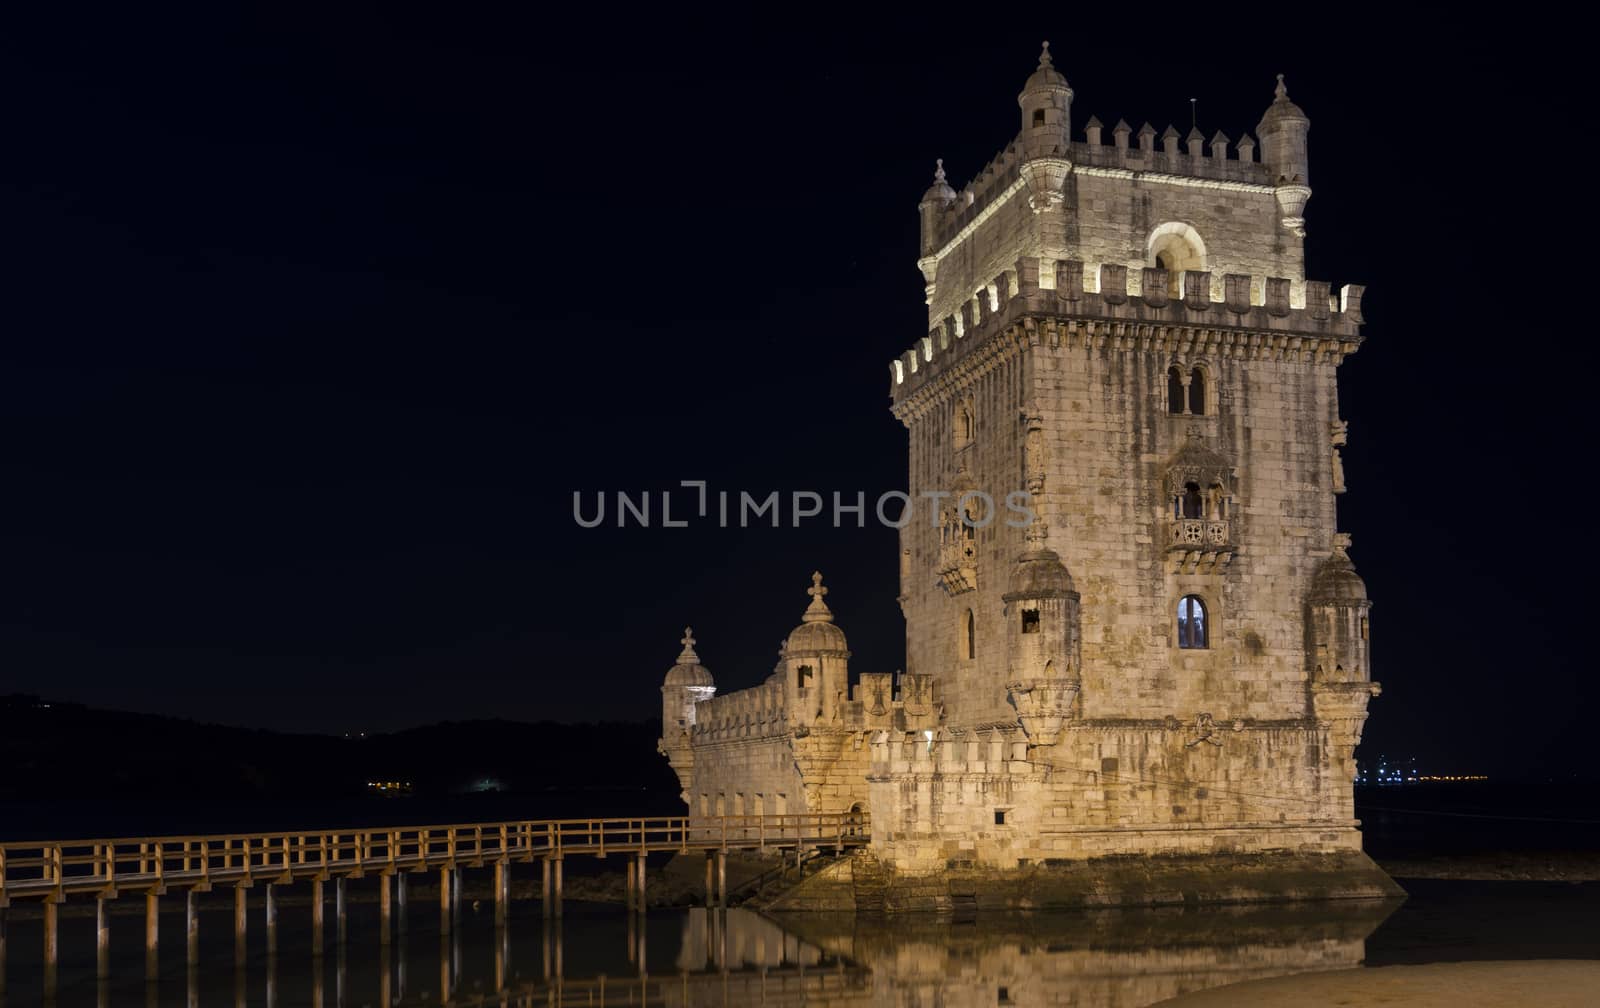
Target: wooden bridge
[53,872]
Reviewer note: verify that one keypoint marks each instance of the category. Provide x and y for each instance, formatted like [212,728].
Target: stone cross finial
[1281,91]
[817,611]
[1044,57]
[687,656]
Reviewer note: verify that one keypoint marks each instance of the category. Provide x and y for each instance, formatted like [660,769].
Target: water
[598,955]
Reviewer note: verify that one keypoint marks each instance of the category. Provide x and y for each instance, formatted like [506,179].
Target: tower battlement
[1253,315]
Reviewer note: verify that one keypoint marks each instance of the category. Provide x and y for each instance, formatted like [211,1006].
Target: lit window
[1192,632]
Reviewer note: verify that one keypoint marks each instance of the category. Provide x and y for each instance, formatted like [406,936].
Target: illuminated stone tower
[1172,656]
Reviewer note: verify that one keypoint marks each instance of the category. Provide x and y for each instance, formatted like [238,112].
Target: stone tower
[1166,652]
[1172,656]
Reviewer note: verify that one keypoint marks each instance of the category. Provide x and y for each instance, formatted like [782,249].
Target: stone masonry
[1171,656]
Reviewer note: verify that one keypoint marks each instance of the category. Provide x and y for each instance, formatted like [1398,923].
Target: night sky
[315,323]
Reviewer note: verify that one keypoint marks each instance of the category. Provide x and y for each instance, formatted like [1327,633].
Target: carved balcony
[1200,544]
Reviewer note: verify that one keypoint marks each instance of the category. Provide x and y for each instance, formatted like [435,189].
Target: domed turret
[1336,613]
[934,203]
[686,684]
[816,662]
[1043,647]
[1282,132]
[1046,103]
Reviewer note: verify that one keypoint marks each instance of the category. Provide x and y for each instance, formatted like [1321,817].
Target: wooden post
[241,923]
[339,923]
[556,868]
[191,929]
[2,952]
[711,892]
[628,898]
[722,878]
[385,968]
[102,941]
[52,947]
[455,897]
[502,889]
[316,921]
[400,908]
[272,921]
[444,901]
[152,935]
[544,888]
[385,910]
[639,892]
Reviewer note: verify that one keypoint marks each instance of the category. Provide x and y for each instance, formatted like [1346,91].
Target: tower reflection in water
[598,956]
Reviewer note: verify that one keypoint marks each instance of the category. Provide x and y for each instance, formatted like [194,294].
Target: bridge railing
[36,866]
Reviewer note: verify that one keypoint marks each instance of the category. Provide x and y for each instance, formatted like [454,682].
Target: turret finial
[1044,56]
[817,611]
[1281,91]
[938,169]
[687,656]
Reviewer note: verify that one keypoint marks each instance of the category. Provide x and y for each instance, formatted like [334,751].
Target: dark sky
[314,323]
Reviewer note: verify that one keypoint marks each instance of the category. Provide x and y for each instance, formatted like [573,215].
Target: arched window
[969,636]
[1191,501]
[1192,629]
[1197,392]
[1169,262]
[1038,117]
[1174,390]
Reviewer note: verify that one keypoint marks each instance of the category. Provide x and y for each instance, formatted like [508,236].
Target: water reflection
[600,955]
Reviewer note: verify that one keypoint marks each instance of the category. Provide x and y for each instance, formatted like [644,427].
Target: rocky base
[860,884]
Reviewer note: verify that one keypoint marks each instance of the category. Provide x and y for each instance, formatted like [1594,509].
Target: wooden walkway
[52,872]
[55,870]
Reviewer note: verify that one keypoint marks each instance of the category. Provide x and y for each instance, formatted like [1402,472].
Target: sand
[1548,983]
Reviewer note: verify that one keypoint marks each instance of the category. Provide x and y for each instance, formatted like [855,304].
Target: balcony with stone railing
[1200,544]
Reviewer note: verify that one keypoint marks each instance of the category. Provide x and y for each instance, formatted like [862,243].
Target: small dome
[688,671]
[817,631]
[1280,110]
[1045,78]
[1039,573]
[1337,580]
[940,192]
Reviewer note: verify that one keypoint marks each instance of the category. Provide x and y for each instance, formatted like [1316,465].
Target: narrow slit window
[1197,392]
[1174,390]
[969,637]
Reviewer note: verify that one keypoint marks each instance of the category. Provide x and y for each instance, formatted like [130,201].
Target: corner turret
[687,684]
[816,663]
[1282,131]
[1046,103]
[1043,643]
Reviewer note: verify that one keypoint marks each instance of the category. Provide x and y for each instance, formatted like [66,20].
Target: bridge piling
[272,919]
[556,869]
[628,898]
[152,935]
[241,922]
[455,897]
[711,891]
[639,889]
[340,931]
[2,950]
[722,878]
[502,891]
[444,901]
[52,947]
[102,940]
[316,920]
[191,929]
[400,906]
[544,886]
[385,910]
